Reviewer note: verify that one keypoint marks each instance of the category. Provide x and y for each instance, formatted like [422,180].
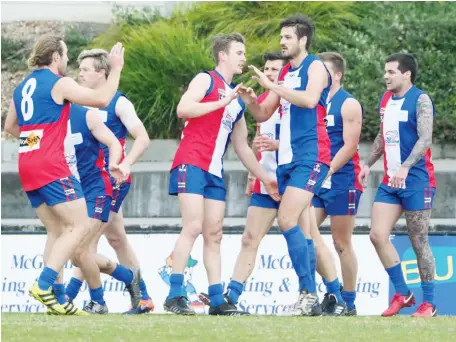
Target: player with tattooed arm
[409,185]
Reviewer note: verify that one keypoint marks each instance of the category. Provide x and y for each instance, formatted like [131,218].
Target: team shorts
[119,192]
[263,201]
[303,175]
[62,190]
[338,202]
[191,179]
[99,207]
[409,199]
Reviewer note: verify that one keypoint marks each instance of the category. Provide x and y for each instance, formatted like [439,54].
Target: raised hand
[261,78]
[247,95]
[234,94]
[116,57]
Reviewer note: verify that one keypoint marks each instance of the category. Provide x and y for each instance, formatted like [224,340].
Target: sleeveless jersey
[43,127]
[85,156]
[113,122]
[346,177]
[303,135]
[206,138]
[399,124]
[267,159]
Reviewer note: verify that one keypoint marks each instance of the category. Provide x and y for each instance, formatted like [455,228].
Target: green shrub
[160,61]
[426,30]
[160,64]
[76,42]
[14,54]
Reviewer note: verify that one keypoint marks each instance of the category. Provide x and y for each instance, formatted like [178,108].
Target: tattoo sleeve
[424,118]
[418,226]
[377,149]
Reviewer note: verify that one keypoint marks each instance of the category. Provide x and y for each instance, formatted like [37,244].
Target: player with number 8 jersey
[38,116]
[43,127]
[43,123]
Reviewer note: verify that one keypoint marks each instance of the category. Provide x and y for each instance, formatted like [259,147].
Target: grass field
[40,327]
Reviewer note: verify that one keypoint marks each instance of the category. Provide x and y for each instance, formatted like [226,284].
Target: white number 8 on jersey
[27,102]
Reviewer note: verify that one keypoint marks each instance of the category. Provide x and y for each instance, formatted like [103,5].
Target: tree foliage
[163,54]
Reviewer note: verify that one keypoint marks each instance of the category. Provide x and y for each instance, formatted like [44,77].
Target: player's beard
[292,52]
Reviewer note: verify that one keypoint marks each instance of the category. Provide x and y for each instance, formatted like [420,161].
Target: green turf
[40,327]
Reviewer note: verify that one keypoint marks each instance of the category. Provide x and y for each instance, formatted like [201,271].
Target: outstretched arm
[190,105]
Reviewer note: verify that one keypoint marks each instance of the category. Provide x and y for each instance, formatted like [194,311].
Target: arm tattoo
[424,118]
[418,226]
[377,149]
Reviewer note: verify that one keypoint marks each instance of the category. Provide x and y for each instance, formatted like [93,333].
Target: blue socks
[333,288]
[59,291]
[349,299]
[216,295]
[299,255]
[47,278]
[428,292]
[97,295]
[397,278]
[73,288]
[123,273]
[176,281]
[312,258]
[144,294]
[235,289]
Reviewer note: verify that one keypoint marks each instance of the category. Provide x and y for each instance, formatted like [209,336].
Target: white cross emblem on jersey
[393,114]
[70,152]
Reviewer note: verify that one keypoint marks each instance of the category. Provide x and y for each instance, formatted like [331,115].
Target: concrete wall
[149,193]
[163,151]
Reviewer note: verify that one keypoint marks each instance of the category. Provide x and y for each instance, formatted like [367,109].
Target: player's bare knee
[116,241]
[76,259]
[250,241]
[378,239]
[213,236]
[108,266]
[320,249]
[82,229]
[192,230]
[285,223]
[339,245]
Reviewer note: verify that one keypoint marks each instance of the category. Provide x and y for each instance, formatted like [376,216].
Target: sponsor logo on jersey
[227,122]
[69,192]
[30,140]
[284,108]
[391,137]
[222,93]
[269,135]
[70,159]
